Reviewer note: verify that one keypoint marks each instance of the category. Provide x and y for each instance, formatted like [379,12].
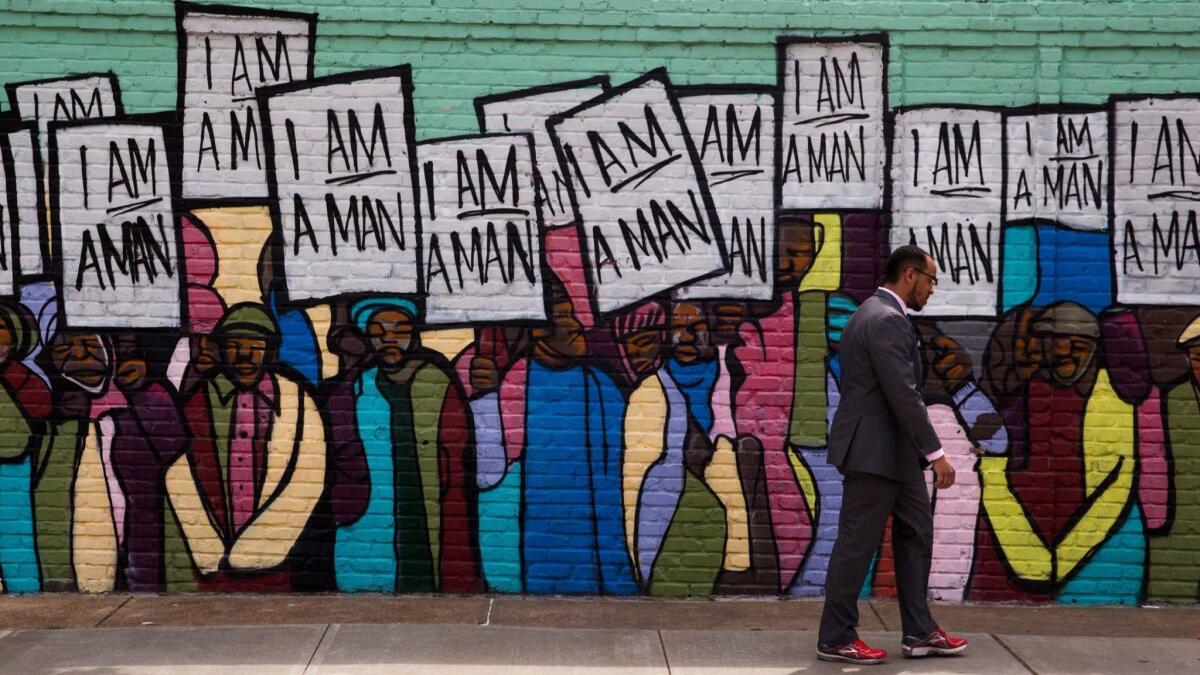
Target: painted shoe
[937,643]
[854,652]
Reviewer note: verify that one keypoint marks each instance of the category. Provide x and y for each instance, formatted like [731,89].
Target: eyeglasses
[932,279]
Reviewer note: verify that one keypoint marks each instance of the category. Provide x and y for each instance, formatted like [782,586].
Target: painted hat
[248,320]
[1066,318]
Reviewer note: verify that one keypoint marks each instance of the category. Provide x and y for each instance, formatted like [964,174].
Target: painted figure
[25,404]
[573,534]
[243,492]
[417,532]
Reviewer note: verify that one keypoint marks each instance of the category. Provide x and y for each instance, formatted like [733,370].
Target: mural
[274,340]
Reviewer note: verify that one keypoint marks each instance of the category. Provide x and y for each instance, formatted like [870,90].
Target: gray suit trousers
[867,500]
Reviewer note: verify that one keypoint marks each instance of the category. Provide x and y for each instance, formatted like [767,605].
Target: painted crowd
[670,444]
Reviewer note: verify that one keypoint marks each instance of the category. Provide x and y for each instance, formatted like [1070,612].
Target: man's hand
[943,473]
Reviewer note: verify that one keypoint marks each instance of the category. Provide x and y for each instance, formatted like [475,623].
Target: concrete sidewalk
[344,634]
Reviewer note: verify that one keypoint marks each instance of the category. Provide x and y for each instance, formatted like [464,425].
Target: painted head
[690,338]
[562,340]
[247,337]
[81,358]
[1189,341]
[911,274]
[390,327]
[131,370]
[18,332]
[800,240]
[639,334]
[1068,333]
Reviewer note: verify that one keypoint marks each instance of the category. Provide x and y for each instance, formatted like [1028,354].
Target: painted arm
[604,441]
[1105,506]
[1027,555]
[1153,468]
[269,537]
[459,569]
[350,488]
[985,427]
[203,539]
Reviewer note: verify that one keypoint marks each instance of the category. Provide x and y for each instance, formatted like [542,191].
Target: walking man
[880,440]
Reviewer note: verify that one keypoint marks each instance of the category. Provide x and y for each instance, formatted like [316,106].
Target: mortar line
[1013,653]
[114,611]
[317,647]
[662,644]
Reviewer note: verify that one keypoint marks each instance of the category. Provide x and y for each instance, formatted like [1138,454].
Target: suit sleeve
[891,358]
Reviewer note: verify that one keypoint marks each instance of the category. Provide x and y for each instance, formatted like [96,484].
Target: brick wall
[547,297]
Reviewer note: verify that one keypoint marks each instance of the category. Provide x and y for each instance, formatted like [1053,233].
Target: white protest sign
[1156,181]
[834,95]
[527,111]
[32,227]
[734,134]
[480,230]
[1058,167]
[648,222]
[343,156]
[114,221]
[947,184]
[9,219]
[226,54]
[73,98]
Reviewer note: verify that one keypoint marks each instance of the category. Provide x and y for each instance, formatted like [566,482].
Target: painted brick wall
[546,297]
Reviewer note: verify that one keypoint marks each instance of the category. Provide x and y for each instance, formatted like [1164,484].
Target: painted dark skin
[81,357]
[797,248]
[392,336]
[1068,356]
[727,318]
[7,339]
[690,336]
[562,341]
[643,349]
[244,359]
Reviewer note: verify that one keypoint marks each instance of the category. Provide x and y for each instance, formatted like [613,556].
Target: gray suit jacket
[881,425]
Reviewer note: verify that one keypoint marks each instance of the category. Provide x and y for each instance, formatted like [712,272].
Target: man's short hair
[902,259]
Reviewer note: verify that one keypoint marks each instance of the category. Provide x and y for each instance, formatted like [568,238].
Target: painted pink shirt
[252,411]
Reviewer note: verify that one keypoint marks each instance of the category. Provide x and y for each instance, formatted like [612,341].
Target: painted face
[8,339]
[727,318]
[564,336]
[642,349]
[131,373]
[391,334]
[689,334]
[798,247]
[1068,356]
[923,284]
[244,358]
[81,358]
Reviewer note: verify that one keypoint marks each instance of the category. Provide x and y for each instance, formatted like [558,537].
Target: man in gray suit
[880,440]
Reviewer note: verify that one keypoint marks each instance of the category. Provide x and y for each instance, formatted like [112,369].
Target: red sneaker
[937,643]
[853,652]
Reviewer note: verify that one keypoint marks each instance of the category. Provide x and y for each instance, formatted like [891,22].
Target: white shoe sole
[920,652]
[845,659]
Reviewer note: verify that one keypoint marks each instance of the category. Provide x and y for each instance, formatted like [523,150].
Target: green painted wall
[1002,53]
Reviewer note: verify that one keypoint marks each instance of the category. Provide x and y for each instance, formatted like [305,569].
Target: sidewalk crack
[114,611]
[663,645]
[317,648]
[1012,653]
[878,616]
